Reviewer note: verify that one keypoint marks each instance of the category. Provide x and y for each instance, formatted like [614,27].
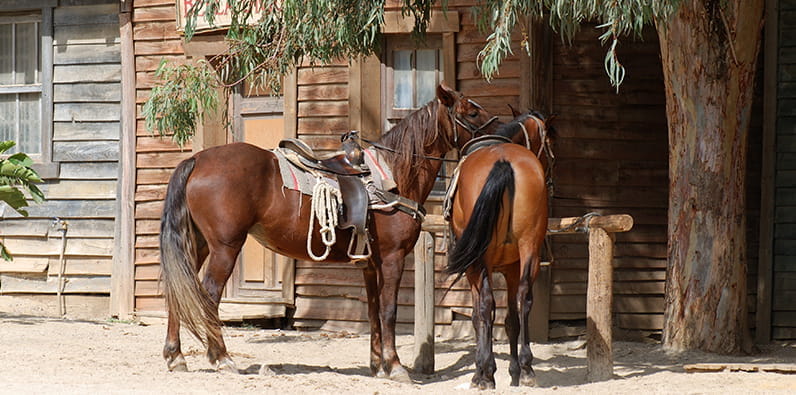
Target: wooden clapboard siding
[783,287]
[86,114]
[155,38]
[611,157]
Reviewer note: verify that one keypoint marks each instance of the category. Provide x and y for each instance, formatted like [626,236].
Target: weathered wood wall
[86,124]
[155,38]
[783,302]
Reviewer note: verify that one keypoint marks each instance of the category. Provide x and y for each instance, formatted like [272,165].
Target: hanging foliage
[268,38]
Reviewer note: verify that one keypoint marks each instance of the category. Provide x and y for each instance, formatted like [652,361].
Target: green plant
[16,176]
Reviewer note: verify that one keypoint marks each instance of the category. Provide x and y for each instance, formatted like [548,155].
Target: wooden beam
[767,185]
[122,282]
[440,22]
[536,68]
[600,362]
[424,304]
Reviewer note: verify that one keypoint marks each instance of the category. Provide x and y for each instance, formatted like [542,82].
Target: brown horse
[218,196]
[499,220]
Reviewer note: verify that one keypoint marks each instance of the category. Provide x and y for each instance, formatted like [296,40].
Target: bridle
[457,119]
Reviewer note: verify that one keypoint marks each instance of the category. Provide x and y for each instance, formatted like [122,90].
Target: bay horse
[218,196]
[499,220]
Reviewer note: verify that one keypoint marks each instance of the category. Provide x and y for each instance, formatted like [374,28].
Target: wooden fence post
[424,304]
[600,361]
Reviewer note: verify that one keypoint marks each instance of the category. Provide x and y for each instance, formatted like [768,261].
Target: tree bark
[709,51]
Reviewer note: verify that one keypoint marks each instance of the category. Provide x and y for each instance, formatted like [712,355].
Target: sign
[222,20]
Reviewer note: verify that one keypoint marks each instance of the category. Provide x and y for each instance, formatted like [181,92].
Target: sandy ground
[49,355]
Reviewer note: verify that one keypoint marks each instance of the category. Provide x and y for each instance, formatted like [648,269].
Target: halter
[544,146]
[457,119]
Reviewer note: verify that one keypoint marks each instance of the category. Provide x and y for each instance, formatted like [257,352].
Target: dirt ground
[50,355]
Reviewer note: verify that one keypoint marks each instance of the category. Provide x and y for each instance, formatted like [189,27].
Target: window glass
[20,84]
[26,53]
[6,54]
[426,76]
[402,66]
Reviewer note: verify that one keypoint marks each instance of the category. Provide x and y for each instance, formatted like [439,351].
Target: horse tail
[185,296]
[475,239]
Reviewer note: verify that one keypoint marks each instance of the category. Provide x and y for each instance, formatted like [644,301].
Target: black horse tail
[475,239]
[185,296]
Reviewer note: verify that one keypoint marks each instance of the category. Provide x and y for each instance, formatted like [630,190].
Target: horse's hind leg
[219,268]
[483,313]
[372,288]
[172,350]
[524,299]
[513,321]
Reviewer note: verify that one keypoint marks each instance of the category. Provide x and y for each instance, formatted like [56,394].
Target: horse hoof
[528,381]
[177,364]
[380,374]
[400,375]
[226,365]
[483,385]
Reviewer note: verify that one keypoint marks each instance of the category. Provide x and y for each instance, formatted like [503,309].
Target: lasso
[325,204]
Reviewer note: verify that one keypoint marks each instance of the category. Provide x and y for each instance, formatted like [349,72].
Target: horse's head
[533,130]
[462,118]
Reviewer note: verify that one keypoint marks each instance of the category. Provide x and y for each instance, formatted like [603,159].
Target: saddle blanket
[298,179]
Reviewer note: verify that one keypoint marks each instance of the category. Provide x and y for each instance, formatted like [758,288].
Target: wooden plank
[81,266]
[74,131]
[351,310]
[52,246]
[439,22]
[87,73]
[424,304]
[740,367]
[85,151]
[156,31]
[14,284]
[78,227]
[155,14]
[86,54]
[166,47]
[24,265]
[640,321]
[80,190]
[161,159]
[316,109]
[80,112]
[96,33]
[600,362]
[323,92]
[322,75]
[231,311]
[67,209]
[93,92]
[86,15]
[89,170]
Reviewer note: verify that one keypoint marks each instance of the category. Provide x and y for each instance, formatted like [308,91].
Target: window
[21,81]
[412,74]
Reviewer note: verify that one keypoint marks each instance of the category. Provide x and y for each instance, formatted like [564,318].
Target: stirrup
[360,254]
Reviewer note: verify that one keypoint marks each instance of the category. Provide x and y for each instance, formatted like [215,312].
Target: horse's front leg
[219,268]
[392,267]
[372,287]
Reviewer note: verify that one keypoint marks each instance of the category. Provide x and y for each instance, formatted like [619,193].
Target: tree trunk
[709,54]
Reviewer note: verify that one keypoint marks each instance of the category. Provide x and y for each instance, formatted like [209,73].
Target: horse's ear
[446,95]
[514,112]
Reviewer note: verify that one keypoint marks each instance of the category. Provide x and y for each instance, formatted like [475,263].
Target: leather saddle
[350,170]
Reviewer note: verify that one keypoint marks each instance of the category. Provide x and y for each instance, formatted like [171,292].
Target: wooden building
[611,158]
[60,83]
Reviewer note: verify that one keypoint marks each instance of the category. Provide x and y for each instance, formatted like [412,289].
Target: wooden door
[262,284]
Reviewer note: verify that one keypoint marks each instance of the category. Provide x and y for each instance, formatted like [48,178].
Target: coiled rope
[325,205]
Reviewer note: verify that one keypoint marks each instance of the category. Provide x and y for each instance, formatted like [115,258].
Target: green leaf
[14,198]
[6,145]
[4,253]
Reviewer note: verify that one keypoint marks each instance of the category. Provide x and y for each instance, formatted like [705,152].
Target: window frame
[43,162]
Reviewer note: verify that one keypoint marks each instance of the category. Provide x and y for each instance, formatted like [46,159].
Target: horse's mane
[513,127]
[409,139]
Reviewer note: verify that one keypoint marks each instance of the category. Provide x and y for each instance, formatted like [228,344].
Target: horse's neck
[420,187]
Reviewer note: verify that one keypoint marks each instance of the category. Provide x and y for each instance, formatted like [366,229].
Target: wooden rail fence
[599,294]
